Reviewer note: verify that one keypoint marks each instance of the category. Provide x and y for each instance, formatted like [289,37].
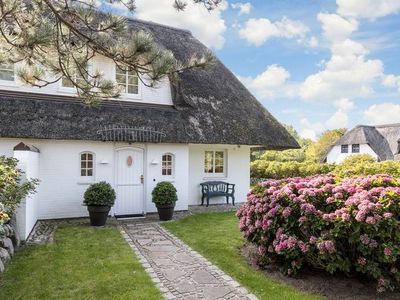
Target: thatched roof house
[380,141]
[209,106]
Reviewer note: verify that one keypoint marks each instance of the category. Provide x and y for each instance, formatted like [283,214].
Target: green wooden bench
[217,189]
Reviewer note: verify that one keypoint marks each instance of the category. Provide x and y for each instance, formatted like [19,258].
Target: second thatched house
[381,142]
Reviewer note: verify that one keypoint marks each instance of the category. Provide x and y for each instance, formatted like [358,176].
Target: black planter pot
[98,215]
[165,211]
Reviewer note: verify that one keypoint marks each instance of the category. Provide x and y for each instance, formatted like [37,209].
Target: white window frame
[87,179]
[172,166]
[124,94]
[8,82]
[72,90]
[225,165]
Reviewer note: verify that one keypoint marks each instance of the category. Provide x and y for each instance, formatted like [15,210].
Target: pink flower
[302,219]
[387,215]
[313,239]
[286,212]
[370,220]
[387,251]
[362,261]
[365,239]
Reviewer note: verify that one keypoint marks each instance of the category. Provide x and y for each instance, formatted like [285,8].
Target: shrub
[348,226]
[12,190]
[164,193]
[355,165]
[99,194]
[278,170]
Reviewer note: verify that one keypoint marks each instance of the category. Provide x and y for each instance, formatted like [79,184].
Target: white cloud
[258,31]
[270,84]
[348,73]
[335,27]
[310,130]
[313,42]
[384,113]
[339,119]
[370,9]
[392,81]
[344,104]
[244,8]
[208,27]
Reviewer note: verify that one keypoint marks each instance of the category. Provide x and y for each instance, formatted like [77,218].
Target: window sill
[85,182]
[8,83]
[222,177]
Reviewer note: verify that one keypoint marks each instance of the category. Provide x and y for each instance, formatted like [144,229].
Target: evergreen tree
[57,38]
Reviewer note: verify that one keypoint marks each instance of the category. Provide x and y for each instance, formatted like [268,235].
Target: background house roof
[382,139]
[210,106]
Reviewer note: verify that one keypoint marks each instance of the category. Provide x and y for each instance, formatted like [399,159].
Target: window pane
[6,75]
[90,172]
[133,80]
[89,156]
[132,89]
[66,82]
[120,78]
[208,161]
[345,148]
[355,148]
[90,164]
[83,172]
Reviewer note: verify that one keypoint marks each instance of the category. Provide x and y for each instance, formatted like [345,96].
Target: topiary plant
[99,194]
[164,193]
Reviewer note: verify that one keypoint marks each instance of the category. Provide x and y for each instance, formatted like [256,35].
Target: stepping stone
[203,277]
[172,274]
[161,248]
[163,262]
[184,258]
[185,287]
[144,241]
[212,293]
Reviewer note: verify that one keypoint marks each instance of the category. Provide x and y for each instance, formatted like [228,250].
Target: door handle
[141,179]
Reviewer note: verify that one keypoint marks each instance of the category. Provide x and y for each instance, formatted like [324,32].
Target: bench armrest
[230,188]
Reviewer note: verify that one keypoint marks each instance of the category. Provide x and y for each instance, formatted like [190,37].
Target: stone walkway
[178,271]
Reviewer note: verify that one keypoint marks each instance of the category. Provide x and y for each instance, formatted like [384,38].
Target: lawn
[83,263]
[216,236]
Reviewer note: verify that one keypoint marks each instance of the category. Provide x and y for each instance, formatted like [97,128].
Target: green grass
[216,236]
[83,263]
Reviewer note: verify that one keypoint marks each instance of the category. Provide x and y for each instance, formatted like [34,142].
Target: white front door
[129,182]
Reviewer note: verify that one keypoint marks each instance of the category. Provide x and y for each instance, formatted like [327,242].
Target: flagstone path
[177,270]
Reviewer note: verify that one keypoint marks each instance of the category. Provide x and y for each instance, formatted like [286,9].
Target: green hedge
[353,166]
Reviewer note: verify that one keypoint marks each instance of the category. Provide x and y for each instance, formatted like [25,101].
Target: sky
[314,64]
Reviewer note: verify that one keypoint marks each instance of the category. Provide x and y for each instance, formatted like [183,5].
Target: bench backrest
[216,186]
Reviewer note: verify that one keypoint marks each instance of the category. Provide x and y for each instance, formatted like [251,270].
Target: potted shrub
[99,197]
[164,197]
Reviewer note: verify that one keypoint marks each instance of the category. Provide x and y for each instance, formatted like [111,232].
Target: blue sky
[314,64]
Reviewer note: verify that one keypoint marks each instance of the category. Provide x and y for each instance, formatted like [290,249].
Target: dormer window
[128,80]
[7,72]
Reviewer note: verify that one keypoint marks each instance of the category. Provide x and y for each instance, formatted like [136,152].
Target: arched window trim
[84,171]
[172,164]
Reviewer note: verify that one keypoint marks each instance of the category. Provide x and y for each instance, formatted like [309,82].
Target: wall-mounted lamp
[154,162]
[104,162]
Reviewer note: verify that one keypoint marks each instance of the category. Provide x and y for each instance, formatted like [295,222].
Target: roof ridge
[158,24]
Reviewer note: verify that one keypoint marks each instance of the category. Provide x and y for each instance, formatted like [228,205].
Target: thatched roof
[211,106]
[382,139]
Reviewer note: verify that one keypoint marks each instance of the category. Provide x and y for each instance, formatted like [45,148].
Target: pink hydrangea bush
[348,226]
